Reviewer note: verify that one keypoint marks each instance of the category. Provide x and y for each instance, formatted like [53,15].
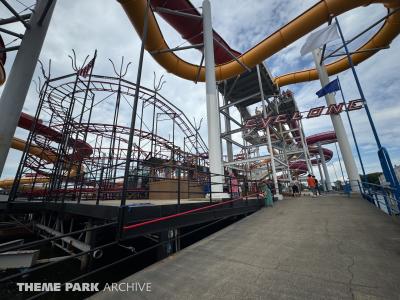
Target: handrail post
[377,200]
[100,186]
[386,201]
[209,185]
[179,188]
[230,187]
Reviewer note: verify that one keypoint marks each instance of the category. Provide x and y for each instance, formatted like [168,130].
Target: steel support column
[13,97]
[213,121]
[321,174]
[305,147]
[325,168]
[229,149]
[337,122]
[270,149]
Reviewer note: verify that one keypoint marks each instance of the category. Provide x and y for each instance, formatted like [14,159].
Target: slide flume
[297,28]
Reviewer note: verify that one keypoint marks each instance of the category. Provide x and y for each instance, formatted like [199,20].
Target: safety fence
[384,197]
[147,180]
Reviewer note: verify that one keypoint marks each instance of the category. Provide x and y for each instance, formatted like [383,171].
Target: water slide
[227,67]
[191,29]
[312,142]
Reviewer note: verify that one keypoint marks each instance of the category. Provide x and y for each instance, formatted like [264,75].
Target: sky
[87,25]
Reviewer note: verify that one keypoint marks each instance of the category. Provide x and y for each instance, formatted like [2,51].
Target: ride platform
[138,211]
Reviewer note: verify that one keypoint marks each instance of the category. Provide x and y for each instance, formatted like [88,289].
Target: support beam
[176,13]
[321,175]
[232,86]
[228,131]
[196,46]
[20,77]
[18,35]
[232,119]
[9,49]
[233,56]
[360,51]
[14,19]
[243,161]
[362,32]
[304,146]
[325,168]
[337,122]
[240,101]
[213,121]
[16,14]
[234,142]
[267,132]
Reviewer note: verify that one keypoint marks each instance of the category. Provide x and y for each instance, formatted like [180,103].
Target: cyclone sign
[259,122]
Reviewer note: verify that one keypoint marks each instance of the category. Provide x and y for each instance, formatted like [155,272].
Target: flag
[319,38]
[331,87]
[84,72]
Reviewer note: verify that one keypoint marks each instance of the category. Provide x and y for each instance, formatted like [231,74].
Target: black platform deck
[137,211]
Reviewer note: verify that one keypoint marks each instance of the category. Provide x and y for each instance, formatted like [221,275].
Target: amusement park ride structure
[243,80]
[71,151]
[76,155]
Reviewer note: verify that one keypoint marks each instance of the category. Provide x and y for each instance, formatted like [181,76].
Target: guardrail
[147,180]
[383,197]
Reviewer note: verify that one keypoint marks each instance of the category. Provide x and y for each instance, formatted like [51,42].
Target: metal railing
[146,181]
[383,197]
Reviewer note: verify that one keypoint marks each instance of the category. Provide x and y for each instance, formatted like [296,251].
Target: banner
[319,38]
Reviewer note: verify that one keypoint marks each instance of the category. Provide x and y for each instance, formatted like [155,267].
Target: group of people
[267,188]
[312,183]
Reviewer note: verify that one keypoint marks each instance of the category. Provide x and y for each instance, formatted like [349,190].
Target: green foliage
[372,177]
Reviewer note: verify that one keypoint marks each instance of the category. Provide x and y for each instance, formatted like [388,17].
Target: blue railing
[384,197]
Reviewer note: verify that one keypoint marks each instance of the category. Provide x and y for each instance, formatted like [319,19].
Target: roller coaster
[57,152]
[108,163]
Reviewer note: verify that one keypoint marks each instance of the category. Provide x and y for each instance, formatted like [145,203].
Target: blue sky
[101,24]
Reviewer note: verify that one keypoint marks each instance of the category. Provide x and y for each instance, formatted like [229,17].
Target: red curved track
[83,149]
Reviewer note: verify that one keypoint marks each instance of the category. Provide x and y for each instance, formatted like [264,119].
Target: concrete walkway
[309,248]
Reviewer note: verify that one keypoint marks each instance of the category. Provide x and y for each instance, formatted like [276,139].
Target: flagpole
[352,129]
[386,164]
[360,90]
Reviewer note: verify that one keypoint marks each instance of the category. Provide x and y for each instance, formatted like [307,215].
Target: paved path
[308,248]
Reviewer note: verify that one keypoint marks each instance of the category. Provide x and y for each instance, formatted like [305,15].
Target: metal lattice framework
[79,136]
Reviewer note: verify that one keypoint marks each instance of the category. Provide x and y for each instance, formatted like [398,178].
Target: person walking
[264,188]
[317,185]
[234,185]
[295,187]
[311,185]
